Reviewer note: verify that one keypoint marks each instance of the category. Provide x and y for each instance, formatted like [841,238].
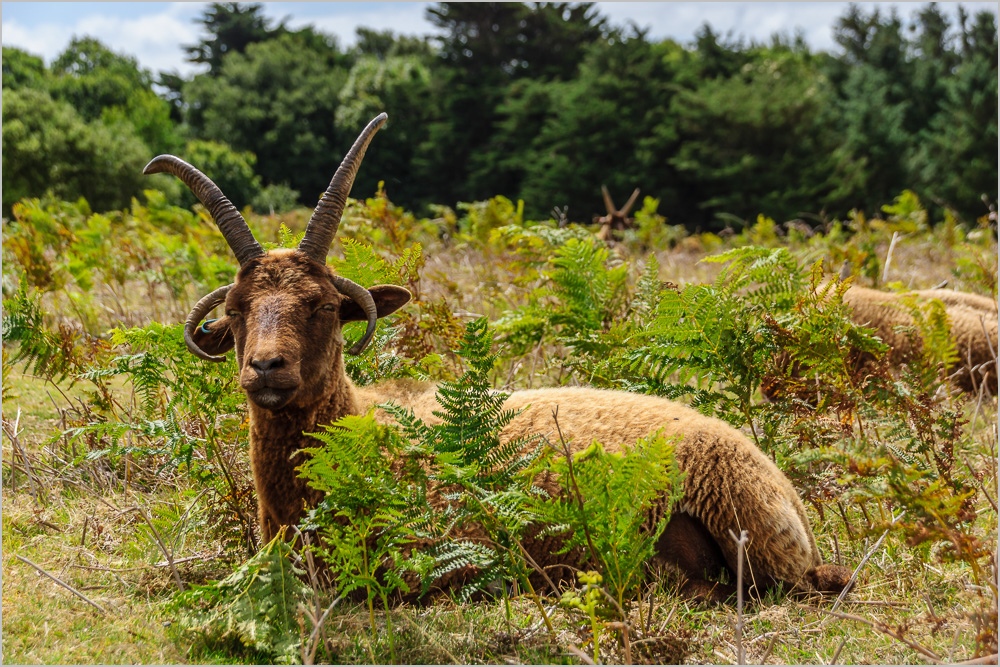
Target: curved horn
[364,299]
[200,310]
[325,219]
[230,222]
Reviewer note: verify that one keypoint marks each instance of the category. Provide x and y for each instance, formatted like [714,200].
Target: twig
[741,544]
[187,559]
[884,629]
[536,567]
[576,489]
[64,585]
[857,570]
[984,660]
[770,647]
[976,412]
[312,643]
[186,513]
[623,627]
[888,257]
[836,654]
[163,547]
[989,343]
[13,431]
[586,659]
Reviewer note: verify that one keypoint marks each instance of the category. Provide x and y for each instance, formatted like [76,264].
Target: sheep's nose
[265,365]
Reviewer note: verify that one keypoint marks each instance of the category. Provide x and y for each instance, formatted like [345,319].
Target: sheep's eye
[232,313]
[326,307]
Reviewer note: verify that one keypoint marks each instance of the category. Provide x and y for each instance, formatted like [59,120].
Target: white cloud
[153,39]
[46,40]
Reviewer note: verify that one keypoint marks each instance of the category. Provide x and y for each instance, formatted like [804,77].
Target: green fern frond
[257,605]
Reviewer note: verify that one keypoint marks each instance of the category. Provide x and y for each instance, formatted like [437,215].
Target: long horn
[608,204]
[325,220]
[226,216]
[630,203]
[364,299]
[200,310]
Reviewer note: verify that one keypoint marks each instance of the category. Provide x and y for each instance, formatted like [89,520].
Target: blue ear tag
[204,325]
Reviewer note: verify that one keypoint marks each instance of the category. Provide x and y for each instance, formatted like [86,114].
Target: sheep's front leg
[269,525]
[686,544]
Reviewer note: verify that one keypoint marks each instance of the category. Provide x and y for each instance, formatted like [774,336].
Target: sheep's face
[284,317]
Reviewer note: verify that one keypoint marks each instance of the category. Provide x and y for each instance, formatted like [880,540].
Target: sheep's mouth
[271,398]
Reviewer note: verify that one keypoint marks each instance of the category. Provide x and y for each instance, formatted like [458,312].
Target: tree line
[544,102]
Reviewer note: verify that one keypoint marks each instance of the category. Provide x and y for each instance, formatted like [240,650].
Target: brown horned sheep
[616,219]
[284,313]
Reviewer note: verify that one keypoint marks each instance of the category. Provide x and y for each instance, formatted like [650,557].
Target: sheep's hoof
[829,578]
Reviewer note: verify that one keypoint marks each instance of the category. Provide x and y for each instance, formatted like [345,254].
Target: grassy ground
[109,532]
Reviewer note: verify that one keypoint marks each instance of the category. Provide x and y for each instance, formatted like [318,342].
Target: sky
[155,32]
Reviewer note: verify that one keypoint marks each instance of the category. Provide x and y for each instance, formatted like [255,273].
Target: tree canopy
[547,102]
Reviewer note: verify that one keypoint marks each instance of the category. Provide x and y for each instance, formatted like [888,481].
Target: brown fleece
[973,321]
[729,485]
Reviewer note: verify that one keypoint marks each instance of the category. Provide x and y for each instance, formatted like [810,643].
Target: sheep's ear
[388,299]
[214,336]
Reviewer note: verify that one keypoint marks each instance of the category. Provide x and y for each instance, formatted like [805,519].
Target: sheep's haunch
[729,485]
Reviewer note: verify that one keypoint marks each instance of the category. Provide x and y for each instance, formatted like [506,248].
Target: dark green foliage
[231,27]
[754,141]
[399,85]
[103,85]
[547,102]
[83,129]
[586,141]
[277,100]
[22,70]
[232,171]
[47,146]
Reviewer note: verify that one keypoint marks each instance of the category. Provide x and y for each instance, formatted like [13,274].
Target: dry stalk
[13,431]
[741,545]
[584,658]
[309,648]
[857,570]
[984,660]
[623,628]
[63,584]
[770,647]
[163,547]
[888,257]
[836,654]
[576,489]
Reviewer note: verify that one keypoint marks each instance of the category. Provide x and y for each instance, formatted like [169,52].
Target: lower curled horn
[364,299]
[200,310]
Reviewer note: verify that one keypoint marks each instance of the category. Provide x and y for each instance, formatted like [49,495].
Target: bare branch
[64,585]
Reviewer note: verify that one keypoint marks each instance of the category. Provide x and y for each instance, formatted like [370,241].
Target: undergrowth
[135,451]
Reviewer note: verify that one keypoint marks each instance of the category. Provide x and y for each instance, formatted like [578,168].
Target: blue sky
[154,32]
